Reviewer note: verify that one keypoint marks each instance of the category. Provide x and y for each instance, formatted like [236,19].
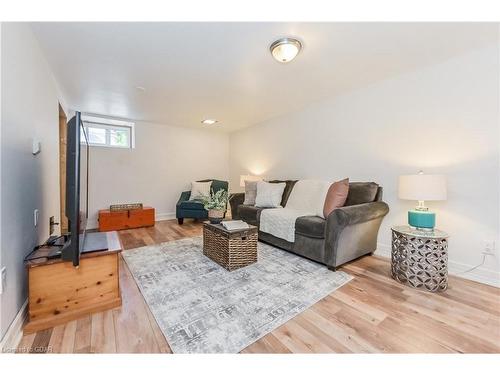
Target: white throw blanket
[306,199]
[280,222]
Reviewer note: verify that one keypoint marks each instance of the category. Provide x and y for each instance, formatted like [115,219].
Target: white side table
[420,258]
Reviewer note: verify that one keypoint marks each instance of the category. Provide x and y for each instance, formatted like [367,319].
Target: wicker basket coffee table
[231,249]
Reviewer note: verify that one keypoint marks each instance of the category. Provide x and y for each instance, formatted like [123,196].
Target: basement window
[108,132]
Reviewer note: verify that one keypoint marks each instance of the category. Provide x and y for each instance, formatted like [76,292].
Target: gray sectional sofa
[347,233]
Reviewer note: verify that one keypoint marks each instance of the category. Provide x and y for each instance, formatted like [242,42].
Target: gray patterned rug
[202,308]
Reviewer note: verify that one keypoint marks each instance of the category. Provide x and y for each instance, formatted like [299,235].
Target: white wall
[1,60]
[442,119]
[163,163]
[29,110]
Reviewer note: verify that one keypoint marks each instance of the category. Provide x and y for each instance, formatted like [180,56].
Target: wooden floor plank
[267,344]
[56,339]
[292,339]
[161,341]
[83,334]
[133,331]
[26,343]
[372,313]
[41,341]
[68,340]
[102,339]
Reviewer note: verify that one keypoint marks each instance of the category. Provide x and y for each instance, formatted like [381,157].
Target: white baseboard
[14,334]
[480,274]
[165,216]
[383,250]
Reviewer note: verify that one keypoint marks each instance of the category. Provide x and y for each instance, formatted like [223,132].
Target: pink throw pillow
[336,196]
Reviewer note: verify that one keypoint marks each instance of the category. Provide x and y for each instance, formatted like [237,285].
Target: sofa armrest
[358,213]
[352,231]
[184,197]
[236,200]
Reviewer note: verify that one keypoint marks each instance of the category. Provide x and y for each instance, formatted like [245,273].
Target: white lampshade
[422,187]
[248,177]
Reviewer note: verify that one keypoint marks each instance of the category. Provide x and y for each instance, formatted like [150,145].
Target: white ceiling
[225,71]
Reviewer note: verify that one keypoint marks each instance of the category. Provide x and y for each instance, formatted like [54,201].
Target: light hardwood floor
[372,313]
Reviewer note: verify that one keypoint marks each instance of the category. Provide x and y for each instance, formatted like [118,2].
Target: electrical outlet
[35,217]
[52,225]
[489,247]
[3,279]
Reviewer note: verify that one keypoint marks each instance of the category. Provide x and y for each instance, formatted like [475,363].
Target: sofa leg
[180,220]
[332,268]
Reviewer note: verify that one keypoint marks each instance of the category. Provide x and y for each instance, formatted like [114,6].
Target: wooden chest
[117,220]
[59,292]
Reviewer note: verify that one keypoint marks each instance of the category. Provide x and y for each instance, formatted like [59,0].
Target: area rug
[202,308]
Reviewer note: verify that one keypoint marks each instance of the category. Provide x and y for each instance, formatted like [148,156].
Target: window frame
[109,124]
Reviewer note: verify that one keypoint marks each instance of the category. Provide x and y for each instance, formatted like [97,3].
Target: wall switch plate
[35,217]
[3,279]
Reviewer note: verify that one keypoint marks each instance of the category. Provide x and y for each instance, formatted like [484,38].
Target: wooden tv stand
[59,292]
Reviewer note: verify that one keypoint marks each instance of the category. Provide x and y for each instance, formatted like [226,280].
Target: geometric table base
[420,260]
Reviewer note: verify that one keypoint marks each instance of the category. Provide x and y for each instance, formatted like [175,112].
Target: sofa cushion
[336,196]
[191,205]
[249,214]
[361,192]
[250,192]
[310,226]
[288,189]
[200,190]
[269,195]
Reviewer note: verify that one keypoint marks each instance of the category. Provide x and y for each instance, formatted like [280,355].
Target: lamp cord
[473,268]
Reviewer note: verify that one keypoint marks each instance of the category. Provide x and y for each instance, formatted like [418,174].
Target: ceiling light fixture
[285,49]
[209,121]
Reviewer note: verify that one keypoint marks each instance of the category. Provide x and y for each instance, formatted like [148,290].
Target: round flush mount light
[209,121]
[285,49]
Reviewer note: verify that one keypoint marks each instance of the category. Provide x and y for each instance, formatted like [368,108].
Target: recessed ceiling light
[140,88]
[209,121]
[285,49]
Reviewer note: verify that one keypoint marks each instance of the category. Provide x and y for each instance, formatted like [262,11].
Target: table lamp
[422,187]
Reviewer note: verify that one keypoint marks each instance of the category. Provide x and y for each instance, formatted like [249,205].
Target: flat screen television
[77,178]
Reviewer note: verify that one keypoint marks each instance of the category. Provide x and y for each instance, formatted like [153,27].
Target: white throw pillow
[269,195]
[200,189]
[309,196]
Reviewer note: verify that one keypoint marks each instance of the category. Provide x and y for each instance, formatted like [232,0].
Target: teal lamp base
[422,219]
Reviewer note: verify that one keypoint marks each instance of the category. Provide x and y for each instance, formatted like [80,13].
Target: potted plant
[216,204]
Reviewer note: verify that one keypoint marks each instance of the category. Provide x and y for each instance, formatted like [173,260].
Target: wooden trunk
[118,220]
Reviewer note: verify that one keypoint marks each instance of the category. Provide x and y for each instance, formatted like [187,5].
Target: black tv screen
[77,171]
